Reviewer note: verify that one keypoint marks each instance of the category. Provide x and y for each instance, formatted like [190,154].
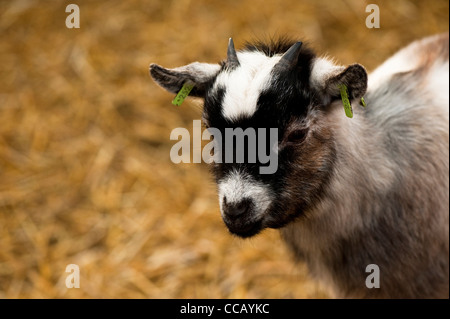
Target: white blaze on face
[245,83]
[238,186]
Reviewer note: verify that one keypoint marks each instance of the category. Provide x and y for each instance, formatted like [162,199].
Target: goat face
[281,85]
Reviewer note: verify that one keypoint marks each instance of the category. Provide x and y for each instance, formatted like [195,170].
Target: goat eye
[297,136]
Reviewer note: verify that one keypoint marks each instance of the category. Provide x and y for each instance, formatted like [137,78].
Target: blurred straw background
[85,173]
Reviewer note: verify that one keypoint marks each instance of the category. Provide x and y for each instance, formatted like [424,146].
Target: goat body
[373,189]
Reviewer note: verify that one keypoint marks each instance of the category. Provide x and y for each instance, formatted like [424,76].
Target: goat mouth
[244,229]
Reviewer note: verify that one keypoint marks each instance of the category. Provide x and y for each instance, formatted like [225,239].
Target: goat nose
[235,210]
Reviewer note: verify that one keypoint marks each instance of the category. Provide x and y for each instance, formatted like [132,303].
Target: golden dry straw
[85,173]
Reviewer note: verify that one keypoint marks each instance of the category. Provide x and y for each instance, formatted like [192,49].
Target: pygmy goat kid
[348,192]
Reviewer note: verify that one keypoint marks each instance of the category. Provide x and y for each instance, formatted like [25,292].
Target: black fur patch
[274,46]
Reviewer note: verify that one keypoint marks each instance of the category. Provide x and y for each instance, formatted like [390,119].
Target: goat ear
[200,74]
[327,80]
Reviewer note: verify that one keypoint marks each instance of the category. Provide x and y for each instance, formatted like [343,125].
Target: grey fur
[388,201]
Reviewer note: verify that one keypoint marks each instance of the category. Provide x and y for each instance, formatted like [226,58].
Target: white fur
[245,83]
[407,59]
[322,69]
[238,186]
[438,84]
[206,70]
[432,86]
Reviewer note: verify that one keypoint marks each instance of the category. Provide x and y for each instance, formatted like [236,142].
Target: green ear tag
[183,93]
[345,100]
[363,103]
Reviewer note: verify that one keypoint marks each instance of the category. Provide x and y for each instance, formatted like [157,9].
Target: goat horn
[289,58]
[232,59]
